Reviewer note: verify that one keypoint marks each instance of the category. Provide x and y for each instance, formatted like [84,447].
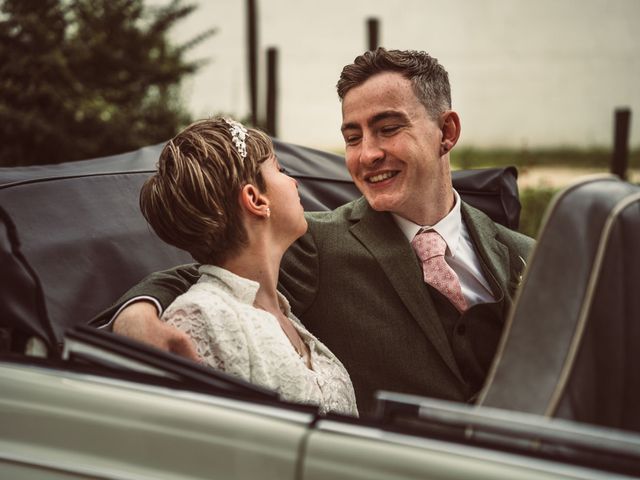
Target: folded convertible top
[82,234]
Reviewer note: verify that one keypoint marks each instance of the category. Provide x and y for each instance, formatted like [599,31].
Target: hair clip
[238,136]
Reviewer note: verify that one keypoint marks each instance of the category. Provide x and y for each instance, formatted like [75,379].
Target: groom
[408,285]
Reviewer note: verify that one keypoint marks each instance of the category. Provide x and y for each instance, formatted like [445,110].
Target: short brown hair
[430,80]
[192,202]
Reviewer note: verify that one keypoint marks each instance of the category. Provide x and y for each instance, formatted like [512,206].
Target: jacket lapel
[494,254]
[379,234]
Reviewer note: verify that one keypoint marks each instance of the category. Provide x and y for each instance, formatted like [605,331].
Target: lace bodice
[232,335]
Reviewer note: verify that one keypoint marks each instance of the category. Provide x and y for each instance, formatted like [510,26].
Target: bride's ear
[254,202]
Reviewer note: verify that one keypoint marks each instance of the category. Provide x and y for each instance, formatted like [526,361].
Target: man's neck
[448,227]
[431,212]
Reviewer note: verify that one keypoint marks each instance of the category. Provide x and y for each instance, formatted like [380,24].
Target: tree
[87,78]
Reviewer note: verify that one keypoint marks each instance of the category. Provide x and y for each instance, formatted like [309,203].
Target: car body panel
[84,423]
[62,424]
[355,452]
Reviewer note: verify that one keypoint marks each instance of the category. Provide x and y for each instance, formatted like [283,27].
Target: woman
[221,195]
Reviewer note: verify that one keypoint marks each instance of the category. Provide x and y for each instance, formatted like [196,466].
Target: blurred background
[538,84]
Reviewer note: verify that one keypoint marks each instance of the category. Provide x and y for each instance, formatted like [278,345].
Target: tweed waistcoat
[473,337]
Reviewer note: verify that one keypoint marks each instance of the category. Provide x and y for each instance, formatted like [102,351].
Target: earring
[268,212]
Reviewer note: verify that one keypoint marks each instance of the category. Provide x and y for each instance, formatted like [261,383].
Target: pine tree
[86,78]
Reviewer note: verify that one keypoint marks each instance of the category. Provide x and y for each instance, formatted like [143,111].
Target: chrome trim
[71,346]
[517,424]
[36,347]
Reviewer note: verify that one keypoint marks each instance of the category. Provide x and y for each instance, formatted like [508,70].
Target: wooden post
[252,52]
[620,158]
[373,33]
[272,91]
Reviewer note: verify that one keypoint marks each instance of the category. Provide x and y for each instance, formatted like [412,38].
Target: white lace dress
[232,335]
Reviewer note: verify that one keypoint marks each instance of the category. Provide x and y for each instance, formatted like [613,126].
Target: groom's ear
[253,201]
[450,126]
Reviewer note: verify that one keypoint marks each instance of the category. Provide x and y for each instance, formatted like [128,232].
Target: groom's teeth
[381,177]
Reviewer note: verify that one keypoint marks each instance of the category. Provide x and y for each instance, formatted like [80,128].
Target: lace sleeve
[217,335]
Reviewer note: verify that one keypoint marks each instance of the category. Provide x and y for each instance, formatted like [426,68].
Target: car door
[420,438]
[108,410]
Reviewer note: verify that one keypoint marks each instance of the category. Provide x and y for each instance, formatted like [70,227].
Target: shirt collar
[449,227]
[244,289]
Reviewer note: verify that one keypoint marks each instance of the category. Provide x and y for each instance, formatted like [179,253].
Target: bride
[221,195]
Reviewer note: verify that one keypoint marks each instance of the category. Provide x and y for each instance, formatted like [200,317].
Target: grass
[534,202]
[469,157]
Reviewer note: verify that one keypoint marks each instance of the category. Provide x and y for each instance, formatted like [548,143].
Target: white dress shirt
[461,254]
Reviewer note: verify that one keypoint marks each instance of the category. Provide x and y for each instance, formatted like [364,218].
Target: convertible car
[562,399]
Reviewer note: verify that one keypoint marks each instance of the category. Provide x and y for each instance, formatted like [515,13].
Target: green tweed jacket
[356,283]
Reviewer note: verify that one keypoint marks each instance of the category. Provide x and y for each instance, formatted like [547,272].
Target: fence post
[620,158]
[272,91]
[373,30]
[252,52]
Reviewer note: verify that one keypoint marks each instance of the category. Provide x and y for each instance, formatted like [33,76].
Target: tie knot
[428,244]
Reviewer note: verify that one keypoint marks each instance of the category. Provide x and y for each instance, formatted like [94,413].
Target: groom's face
[392,145]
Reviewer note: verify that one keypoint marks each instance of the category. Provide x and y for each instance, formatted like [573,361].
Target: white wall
[524,73]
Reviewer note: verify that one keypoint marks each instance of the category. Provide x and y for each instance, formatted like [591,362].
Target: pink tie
[430,247]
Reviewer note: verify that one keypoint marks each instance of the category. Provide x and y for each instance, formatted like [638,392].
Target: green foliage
[534,204]
[536,200]
[86,78]
[469,157]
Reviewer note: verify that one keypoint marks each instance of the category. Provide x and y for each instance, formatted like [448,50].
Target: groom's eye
[351,140]
[390,129]
[283,170]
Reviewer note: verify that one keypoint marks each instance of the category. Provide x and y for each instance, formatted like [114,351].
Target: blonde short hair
[192,202]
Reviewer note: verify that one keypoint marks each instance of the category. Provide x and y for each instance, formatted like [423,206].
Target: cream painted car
[86,418]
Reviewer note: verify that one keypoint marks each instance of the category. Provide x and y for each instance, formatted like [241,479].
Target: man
[356,279]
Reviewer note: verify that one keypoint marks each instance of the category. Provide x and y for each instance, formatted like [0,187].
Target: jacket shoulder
[345,213]
[517,241]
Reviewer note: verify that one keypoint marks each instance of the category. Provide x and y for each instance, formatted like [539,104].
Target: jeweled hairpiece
[238,136]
